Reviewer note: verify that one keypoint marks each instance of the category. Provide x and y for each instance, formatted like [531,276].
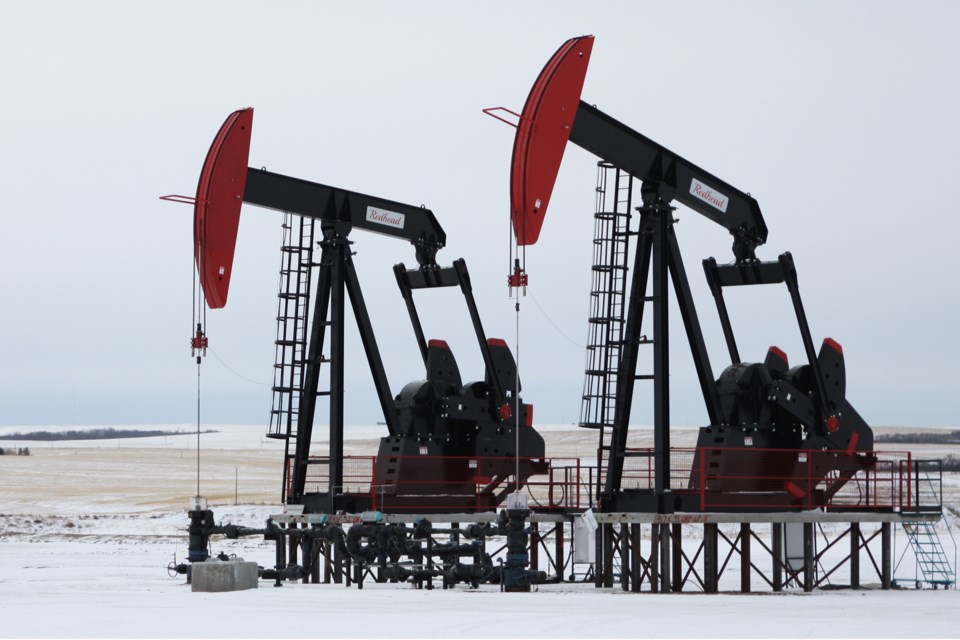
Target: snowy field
[88,528]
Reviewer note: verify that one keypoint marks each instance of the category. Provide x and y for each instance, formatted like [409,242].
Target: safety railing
[716,478]
[752,478]
[550,483]
[755,478]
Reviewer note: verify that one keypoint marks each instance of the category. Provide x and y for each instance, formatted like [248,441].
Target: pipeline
[400,553]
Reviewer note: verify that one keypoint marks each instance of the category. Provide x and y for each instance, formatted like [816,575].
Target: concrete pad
[224,575]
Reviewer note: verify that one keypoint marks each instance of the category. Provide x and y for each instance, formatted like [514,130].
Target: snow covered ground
[88,528]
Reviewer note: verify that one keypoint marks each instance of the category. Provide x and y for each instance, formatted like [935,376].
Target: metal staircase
[932,561]
[607,296]
[933,566]
[293,304]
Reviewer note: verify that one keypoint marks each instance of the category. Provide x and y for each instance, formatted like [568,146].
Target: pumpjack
[444,437]
[778,437]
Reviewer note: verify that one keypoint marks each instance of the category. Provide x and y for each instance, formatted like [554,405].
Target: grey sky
[839,117]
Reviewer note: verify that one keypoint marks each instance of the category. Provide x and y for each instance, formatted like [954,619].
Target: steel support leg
[598,557]
[534,547]
[316,547]
[677,572]
[337,565]
[337,305]
[281,560]
[854,555]
[292,545]
[625,566]
[561,559]
[808,560]
[665,563]
[711,560]
[608,555]
[636,564]
[662,216]
[745,557]
[777,552]
[655,558]
[327,563]
[885,555]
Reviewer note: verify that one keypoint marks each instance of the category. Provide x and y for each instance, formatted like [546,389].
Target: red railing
[769,478]
[716,478]
[466,479]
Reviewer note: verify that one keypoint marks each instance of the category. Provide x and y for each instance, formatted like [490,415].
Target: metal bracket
[489,111]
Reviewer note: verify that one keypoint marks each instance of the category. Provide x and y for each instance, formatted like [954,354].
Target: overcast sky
[839,117]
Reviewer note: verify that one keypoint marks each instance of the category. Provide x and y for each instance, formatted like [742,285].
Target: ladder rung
[602,320]
[606,268]
[644,377]
[600,372]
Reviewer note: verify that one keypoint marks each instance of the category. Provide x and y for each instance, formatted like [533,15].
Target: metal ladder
[932,561]
[607,296]
[293,304]
[933,564]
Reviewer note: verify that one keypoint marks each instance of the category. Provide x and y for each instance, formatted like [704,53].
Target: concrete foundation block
[224,575]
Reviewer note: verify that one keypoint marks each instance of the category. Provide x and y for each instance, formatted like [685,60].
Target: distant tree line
[22,451]
[103,433]
[951,437]
[951,463]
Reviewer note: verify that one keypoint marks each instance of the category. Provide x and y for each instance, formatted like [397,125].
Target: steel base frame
[547,548]
[655,556]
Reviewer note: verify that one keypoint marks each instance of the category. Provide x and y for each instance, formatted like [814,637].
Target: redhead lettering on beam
[709,195]
[388,218]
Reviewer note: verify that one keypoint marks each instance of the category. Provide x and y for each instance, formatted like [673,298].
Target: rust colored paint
[542,135]
[216,214]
